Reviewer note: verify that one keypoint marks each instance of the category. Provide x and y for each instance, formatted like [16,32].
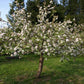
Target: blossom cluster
[47,38]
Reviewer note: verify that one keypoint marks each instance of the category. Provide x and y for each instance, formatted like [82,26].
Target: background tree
[60,12]
[31,6]
[81,5]
[72,8]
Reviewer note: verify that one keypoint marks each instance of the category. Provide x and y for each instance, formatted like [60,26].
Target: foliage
[74,9]
[31,7]
[43,38]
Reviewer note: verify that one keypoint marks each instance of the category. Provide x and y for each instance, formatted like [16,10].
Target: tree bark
[40,66]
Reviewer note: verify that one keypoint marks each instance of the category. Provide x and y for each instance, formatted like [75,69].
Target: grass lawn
[23,71]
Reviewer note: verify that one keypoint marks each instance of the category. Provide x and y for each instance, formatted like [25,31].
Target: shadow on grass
[66,73]
[28,57]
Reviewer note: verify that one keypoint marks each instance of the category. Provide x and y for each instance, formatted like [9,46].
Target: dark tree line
[74,9]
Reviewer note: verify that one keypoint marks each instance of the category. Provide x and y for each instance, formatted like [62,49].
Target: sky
[4,8]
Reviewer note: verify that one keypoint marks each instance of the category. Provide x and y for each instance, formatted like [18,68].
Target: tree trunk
[40,66]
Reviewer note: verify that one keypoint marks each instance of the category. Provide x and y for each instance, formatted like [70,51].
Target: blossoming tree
[45,38]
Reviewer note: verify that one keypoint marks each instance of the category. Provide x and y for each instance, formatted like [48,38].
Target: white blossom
[76,40]
[67,40]
[15,53]
[46,50]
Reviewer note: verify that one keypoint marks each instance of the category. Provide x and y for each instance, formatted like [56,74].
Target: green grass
[23,71]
